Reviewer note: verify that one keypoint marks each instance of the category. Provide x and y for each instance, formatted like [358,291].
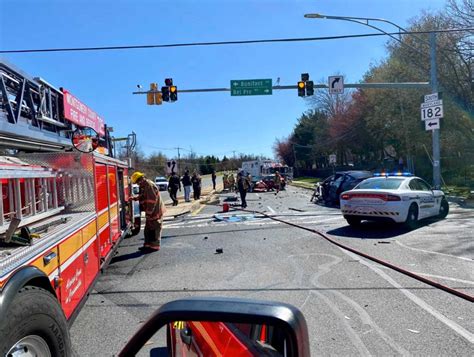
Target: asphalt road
[352,305]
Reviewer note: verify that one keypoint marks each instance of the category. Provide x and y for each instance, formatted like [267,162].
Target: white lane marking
[271,209]
[363,314]
[257,222]
[431,252]
[365,318]
[350,332]
[448,278]
[462,281]
[418,301]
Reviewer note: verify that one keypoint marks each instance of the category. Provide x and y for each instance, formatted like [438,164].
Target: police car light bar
[398,173]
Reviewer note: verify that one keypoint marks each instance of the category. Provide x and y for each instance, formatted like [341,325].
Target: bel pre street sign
[431,124]
[336,84]
[250,87]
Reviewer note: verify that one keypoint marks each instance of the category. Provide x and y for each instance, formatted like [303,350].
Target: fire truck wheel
[35,325]
[136,226]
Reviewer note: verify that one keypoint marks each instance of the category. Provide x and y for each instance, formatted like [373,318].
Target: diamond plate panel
[75,178]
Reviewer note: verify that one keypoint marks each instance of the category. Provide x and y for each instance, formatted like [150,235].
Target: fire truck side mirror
[85,139]
[251,327]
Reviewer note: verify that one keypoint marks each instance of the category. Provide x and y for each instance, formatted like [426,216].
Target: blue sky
[206,123]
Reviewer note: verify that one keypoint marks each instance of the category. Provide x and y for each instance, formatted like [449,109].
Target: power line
[221,43]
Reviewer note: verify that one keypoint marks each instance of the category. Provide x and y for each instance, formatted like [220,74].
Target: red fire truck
[62,212]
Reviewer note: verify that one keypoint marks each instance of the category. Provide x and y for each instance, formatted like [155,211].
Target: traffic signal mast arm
[401,85]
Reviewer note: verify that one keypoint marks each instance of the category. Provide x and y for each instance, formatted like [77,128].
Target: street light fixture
[363,21]
[433,72]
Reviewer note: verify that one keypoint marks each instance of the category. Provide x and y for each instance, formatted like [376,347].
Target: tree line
[155,164]
[378,128]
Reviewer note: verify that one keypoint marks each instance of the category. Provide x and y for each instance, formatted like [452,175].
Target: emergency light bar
[398,173]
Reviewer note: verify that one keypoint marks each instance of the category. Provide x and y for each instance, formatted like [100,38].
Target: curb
[462,202]
[302,185]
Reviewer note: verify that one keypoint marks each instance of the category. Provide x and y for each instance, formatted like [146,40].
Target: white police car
[401,198]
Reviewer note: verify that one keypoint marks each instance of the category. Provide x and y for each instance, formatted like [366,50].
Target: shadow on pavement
[133,255]
[377,230]
[369,230]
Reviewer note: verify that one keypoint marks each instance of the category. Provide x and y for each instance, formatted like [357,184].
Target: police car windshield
[381,183]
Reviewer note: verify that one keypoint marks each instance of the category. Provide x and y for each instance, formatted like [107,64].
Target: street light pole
[433,74]
[435,137]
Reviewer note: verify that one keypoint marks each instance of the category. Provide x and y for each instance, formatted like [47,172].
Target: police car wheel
[412,217]
[443,208]
[353,221]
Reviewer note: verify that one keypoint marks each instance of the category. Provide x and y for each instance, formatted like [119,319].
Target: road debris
[296,209]
[219,251]
[414,331]
[234,218]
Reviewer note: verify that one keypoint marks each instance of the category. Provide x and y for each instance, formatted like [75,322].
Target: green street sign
[250,87]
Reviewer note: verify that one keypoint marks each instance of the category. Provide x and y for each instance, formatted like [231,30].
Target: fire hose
[432,283]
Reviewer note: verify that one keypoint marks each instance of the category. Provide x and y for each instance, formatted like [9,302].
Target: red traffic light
[169,82]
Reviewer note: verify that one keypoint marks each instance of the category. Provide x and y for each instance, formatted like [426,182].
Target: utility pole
[435,137]
[179,160]
[433,70]
[294,155]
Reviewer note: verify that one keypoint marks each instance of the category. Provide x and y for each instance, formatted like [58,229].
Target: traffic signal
[309,88]
[301,89]
[153,96]
[165,94]
[173,93]
[168,82]
[304,77]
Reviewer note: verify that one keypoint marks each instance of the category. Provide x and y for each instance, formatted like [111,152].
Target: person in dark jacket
[214,176]
[196,181]
[243,186]
[186,181]
[173,186]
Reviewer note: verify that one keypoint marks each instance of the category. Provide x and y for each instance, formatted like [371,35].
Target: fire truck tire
[136,226]
[35,324]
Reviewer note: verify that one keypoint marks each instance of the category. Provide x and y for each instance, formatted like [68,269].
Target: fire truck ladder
[30,113]
[29,193]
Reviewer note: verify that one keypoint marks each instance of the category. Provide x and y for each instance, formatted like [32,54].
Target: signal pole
[435,137]
[179,160]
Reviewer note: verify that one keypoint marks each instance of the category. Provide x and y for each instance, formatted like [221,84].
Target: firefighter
[225,181]
[152,204]
[231,182]
[277,182]
[243,186]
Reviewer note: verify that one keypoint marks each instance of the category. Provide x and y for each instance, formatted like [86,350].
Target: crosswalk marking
[258,221]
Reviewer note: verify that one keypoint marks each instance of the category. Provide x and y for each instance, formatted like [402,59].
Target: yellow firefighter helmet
[136,176]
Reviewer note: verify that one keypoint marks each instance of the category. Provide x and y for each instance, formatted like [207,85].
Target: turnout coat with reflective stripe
[151,201]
